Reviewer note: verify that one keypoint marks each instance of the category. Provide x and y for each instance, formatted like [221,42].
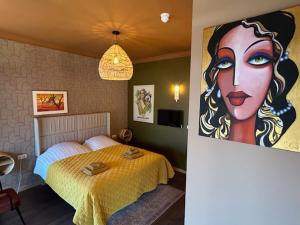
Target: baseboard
[25,187]
[179,170]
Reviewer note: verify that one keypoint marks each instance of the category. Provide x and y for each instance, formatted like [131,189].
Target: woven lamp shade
[115,64]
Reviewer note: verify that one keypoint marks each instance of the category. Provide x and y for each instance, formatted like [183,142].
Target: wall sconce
[176,92]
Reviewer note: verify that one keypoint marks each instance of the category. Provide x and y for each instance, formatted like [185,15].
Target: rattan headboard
[52,130]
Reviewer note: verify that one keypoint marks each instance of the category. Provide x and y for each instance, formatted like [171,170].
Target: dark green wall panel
[170,141]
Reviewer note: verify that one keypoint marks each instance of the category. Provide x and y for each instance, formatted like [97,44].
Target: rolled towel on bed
[95,165]
[133,156]
[133,153]
[94,168]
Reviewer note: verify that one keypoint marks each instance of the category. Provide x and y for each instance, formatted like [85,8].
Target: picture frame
[249,88]
[49,102]
[143,103]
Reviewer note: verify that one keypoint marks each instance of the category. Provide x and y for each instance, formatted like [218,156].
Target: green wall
[169,141]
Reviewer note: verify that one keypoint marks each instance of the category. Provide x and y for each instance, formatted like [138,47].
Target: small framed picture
[49,102]
[143,103]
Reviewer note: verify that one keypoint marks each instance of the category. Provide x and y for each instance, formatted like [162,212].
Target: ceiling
[84,26]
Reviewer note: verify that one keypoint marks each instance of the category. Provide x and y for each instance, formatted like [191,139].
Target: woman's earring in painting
[219,94]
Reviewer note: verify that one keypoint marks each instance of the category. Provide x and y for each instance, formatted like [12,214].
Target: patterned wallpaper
[24,68]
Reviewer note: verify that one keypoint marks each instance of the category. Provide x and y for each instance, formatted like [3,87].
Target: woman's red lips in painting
[237,98]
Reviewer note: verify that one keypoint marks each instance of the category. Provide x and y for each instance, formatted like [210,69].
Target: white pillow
[57,152]
[99,142]
[65,149]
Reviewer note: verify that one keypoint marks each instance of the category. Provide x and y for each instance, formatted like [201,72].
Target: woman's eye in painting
[258,60]
[224,64]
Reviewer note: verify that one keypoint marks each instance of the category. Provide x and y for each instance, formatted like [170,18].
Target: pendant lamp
[115,63]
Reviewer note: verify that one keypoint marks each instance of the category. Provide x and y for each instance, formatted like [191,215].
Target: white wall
[230,183]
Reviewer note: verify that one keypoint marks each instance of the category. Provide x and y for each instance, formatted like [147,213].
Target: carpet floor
[148,208]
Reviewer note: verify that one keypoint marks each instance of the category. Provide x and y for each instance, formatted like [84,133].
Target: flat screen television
[172,118]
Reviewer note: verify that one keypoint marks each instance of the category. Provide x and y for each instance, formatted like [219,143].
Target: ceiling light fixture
[115,63]
[164,17]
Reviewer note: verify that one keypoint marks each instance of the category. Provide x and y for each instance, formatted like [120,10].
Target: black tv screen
[173,118]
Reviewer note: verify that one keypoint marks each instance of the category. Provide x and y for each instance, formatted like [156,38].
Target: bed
[94,198]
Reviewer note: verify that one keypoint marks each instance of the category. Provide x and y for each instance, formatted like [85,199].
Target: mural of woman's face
[245,64]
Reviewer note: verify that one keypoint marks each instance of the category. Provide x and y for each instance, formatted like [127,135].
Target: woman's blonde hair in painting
[276,114]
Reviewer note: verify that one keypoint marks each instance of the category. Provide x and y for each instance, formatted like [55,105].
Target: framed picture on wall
[250,90]
[49,102]
[143,103]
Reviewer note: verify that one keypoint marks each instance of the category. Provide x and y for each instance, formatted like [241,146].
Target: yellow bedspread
[96,198]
